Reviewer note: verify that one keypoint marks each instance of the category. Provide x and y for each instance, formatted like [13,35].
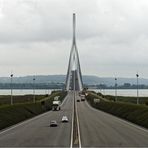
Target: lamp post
[48,89]
[137,75]
[116,89]
[34,89]
[103,88]
[100,88]
[11,77]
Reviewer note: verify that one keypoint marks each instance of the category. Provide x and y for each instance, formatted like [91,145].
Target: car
[64,119]
[53,123]
[78,100]
[82,97]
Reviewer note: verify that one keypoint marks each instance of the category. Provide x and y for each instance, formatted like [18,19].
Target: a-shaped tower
[74,76]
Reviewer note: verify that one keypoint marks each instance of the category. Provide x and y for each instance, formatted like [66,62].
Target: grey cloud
[112,36]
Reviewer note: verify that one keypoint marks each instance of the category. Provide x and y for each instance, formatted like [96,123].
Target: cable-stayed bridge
[87,127]
[74,76]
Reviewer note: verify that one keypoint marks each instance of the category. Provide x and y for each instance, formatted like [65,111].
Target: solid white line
[64,100]
[28,120]
[71,141]
[125,121]
[78,125]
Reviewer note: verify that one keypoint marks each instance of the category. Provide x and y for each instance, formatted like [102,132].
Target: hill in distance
[87,79]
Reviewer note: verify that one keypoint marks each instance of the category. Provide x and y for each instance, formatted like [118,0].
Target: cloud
[112,36]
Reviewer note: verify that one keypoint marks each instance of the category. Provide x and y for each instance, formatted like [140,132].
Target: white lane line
[78,126]
[28,120]
[71,141]
[64,100]
[122,120]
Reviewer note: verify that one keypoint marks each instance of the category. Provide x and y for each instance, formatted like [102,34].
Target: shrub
[12,114]
[137,114]
[146,102]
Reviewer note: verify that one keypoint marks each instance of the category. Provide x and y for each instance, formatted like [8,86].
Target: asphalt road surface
[99,129]
[38,133]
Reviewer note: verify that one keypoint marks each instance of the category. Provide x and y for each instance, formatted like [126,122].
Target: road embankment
[13,114]
[137,114]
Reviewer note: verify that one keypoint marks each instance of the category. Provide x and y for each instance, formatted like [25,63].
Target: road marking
[28,120]
[78,126]
[125,121]
[64,100]
[71,141]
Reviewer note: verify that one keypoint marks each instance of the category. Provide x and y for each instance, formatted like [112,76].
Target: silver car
[53,123]
[64,119]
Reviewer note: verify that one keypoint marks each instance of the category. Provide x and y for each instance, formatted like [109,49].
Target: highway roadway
[99,129]
[37,131]
[96,129]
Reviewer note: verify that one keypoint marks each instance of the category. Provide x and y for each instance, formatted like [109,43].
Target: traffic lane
[35,132]
[54,136]
[99,129]
[39,133]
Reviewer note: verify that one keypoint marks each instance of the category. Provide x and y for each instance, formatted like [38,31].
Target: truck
[82,97]
[56,105]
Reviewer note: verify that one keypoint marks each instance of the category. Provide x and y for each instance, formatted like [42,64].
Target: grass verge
[12,114]
[128,99]
[5,99]
[137,114]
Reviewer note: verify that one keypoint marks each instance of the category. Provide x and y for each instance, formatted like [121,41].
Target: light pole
[100,88]
[137,75]
[116,89]
[11,76]
[48,89]
[34,89]
[103,88]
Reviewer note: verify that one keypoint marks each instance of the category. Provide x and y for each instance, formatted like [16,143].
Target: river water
[124,92]
[120,92]
[25,91]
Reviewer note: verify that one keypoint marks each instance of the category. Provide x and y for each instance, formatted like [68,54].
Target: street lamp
[100,88]
[34,89]
[103,88]
[116,89]
[48,89]
[11,76]
[137,75]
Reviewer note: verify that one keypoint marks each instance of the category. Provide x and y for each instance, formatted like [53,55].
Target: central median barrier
[13,114]
[137,114]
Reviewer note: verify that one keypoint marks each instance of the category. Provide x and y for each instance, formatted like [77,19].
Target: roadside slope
[99,129]
[37,131]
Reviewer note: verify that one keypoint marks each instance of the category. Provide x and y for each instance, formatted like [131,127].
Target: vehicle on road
[78,100]
[53,123]
[82,97]
[56,105]
[64,119]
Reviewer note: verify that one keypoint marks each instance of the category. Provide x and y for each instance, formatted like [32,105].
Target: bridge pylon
[74,76]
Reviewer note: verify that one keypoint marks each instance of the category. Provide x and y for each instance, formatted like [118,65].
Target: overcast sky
[36,37]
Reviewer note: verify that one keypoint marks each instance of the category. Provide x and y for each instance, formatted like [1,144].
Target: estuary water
[25,91]
[120,92]
[123,92]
